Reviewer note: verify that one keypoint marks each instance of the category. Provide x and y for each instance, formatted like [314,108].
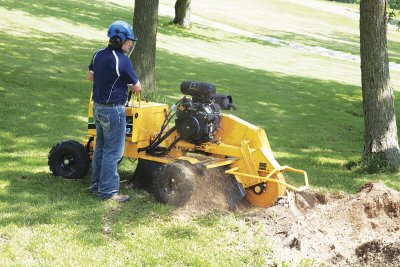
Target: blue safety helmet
[121,30]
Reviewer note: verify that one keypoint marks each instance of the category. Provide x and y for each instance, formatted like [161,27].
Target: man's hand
[89,75]
[136,88]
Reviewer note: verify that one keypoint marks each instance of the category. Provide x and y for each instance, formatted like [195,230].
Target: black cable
[161,151]
[169,117]
[156,144]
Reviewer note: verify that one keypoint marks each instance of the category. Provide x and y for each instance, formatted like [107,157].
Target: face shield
[129,52]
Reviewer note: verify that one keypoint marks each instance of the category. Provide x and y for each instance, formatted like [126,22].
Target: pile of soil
[339,230]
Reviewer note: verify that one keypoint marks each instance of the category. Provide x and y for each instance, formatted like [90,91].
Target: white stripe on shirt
[116,63]
[96,55]
[117,71]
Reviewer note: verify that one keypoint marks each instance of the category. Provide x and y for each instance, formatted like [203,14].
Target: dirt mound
[339,230]
[331,229]
[380,200]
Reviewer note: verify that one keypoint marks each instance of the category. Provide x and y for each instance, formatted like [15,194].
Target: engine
[198,118]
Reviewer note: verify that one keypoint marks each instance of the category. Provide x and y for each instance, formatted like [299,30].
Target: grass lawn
[309,105]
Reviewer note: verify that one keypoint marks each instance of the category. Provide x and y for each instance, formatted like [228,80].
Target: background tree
[182,12]
[145,22]
[380,137]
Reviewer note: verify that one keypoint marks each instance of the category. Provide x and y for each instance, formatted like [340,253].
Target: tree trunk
[182,12]
[380,137]
[145,22]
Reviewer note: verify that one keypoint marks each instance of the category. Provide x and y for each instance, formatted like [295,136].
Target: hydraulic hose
[161,151]
[155,144]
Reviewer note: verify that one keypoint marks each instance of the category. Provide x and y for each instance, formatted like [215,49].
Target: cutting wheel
[268,197]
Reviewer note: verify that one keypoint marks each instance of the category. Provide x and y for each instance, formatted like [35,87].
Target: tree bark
[182,12]
[145,22]
[380,137]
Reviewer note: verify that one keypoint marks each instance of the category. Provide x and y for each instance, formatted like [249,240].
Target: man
[112,73]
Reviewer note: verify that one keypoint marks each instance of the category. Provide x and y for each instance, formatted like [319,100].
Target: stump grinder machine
[202,139]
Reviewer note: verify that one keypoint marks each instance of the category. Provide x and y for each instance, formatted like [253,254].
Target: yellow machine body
[239,146]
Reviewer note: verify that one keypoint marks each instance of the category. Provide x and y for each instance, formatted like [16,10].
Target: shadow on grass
[48,102]
[31,199]
[97,14]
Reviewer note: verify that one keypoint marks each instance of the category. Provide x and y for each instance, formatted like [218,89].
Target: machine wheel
[270,194]
[69,159]
[174,184]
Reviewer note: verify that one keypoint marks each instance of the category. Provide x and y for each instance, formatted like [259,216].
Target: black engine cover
[196,122]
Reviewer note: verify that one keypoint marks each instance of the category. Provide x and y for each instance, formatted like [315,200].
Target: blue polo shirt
[112,72]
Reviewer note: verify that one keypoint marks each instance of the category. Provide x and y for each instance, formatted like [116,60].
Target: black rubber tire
[174,184]
[143,177]
[69,159]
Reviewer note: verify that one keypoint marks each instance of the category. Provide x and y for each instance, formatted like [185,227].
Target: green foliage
[347,1]
[394,4]
[393,7]
[375,164]
[394,12]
